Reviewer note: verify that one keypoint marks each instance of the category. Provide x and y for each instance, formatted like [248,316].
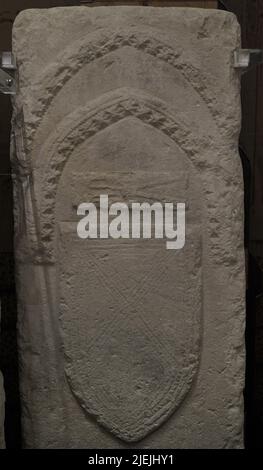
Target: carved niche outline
[89,120]
[56,75]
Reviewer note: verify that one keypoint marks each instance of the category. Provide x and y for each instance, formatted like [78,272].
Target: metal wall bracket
[7,69]
[244,59]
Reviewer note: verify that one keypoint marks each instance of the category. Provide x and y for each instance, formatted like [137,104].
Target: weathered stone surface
[122,342]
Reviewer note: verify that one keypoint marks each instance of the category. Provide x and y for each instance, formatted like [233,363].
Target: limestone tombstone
[122,342]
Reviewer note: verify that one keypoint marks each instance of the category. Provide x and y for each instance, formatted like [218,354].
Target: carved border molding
[83,52]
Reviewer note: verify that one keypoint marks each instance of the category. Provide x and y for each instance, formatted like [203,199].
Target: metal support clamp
[244,59]
[7,68]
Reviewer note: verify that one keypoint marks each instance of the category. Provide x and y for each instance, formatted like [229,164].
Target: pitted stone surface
[122,342]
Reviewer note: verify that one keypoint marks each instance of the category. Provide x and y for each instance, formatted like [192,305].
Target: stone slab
[122,342]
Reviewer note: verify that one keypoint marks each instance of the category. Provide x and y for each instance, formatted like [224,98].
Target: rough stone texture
[124,343]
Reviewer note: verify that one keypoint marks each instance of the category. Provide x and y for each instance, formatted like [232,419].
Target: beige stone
[122,342]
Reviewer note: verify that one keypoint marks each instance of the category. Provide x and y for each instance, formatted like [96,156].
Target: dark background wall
[250,14]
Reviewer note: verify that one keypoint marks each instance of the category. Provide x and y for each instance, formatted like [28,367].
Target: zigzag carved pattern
[86,124]
[85,52]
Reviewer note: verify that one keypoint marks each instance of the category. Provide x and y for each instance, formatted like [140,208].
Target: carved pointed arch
[94,47]
[89,120]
